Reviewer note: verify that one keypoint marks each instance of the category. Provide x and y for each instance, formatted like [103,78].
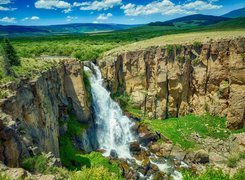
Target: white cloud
[103,16]
[7,8]
[52,4]
[70,18]
[201,5]
[97,5]
[8,20]
[33,18]
[167,7]
[3,4]
[5,1]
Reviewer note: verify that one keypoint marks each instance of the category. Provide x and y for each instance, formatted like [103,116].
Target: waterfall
[112,127]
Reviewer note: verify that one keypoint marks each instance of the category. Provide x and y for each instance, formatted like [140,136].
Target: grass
[94,173]
[127,105]
[234,159]
[179,129]
[29,68]
[213,174]
[97,160]
[69,155]
[180,38]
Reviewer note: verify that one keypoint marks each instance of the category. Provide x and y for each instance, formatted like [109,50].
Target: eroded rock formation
[29,119]
[175,80]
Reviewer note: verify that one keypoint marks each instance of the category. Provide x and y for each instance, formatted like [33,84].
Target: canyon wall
[29,118]
[175,80]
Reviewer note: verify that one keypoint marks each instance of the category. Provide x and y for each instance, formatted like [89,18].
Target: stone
[113,154]
[178,153]
[135,146]
[201,156]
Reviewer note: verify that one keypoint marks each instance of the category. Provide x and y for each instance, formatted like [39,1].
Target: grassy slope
[183,38]
[179,130]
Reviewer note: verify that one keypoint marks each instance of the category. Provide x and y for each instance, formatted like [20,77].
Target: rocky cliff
[175,80]
[29,117]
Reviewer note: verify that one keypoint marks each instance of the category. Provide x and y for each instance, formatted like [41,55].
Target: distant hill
[191,20]
[62,29]
[236,13]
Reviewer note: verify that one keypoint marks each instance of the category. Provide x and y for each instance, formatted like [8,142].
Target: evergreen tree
[7,69]
[10,54]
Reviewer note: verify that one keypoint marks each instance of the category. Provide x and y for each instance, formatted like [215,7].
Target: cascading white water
[112,127]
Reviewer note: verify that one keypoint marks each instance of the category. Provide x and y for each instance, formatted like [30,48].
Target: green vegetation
[97,160]
[211,174]
[4,176]
[197,44]
[29,68]
[170,49]
[87,84]
[69,155]
[127,105]
[180,129]
[100,168]
[239,175]
[195,62]
[233,160]
[97,173]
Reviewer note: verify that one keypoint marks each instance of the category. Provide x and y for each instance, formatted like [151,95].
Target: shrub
[95,173]
[36,164]
[232,161]
[170,49]
[195,62]
[10,54]
[197,44]
[97,159]
[4,176]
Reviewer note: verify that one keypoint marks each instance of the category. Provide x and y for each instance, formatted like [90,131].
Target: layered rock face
[29,118]
[175,80]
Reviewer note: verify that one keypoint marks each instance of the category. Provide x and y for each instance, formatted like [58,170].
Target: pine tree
[7,69]
[10,54]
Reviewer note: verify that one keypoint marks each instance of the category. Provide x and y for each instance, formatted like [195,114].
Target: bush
[35,164]
[97,159]
[170,49]
[197,44]
[95,173]
[9,53]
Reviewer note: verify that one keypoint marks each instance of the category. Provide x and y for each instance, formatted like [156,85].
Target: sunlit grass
[179,130]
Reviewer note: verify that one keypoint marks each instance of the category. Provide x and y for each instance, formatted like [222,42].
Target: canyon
[161,81]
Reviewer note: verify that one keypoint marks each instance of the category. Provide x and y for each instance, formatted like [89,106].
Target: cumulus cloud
[5,1]
[3,4]
[33,18]
[52,4]
[103,16]
[167,7]
[97,5]
[70,18]
[8,20]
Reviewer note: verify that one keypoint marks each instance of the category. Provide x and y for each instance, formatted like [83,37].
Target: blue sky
[46,12]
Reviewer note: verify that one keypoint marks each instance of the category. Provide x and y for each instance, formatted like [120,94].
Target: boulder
[201,156]
[113,154]
[135,146]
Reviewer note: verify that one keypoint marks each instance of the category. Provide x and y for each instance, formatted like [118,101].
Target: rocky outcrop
[29,119]
[175,80]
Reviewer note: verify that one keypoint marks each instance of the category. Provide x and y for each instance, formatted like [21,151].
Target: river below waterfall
[113,132]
